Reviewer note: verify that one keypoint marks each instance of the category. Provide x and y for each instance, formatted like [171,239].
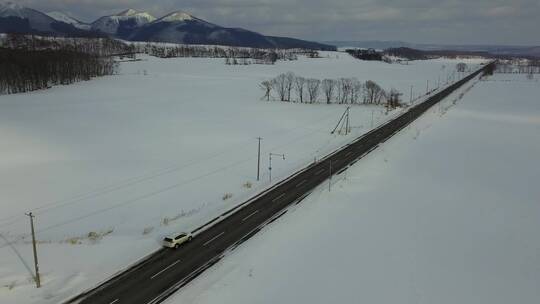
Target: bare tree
[313,86]
[356,91]
[329,86]
[373,93]
[266,86]
[394,99]
[345,89]
[341,90]
[461,67]
[299,87]
[289,84]
[279,84]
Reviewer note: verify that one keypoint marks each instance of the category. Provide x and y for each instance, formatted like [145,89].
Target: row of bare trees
[232,55]
[93,46]
[507,68]
[28,70]
[289,87]
[111,47]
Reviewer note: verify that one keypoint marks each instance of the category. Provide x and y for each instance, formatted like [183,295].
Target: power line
[124,184]
[159,191]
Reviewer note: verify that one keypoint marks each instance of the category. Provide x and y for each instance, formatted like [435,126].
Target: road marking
[320,171]
[210,241]
[114,301]
[301,183]
[250,215]
[181,283]
[278,198]
[347,155]
[162,271]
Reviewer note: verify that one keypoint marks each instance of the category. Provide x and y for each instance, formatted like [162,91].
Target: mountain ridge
[134,25]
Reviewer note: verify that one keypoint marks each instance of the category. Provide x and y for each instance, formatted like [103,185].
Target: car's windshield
[180,236]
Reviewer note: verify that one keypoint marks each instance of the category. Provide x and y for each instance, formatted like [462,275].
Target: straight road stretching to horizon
[166,271]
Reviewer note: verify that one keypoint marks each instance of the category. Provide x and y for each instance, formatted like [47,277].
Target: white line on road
[250,215]
[301,183]
[279,197]
[114,301]
[210,241]
[347,155]
[176,286]
[320,171]
[152,277]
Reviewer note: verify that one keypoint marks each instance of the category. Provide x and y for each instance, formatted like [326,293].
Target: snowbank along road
[163,273]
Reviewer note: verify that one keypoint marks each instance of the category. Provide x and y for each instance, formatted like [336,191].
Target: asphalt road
[166,271]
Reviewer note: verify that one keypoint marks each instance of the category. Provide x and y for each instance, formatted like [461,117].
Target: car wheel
[176,246]
[190,239]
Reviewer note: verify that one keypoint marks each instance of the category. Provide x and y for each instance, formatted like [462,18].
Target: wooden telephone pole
[259,159]
[36,265]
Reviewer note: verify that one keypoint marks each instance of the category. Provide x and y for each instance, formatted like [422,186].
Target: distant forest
[29,70]
[408,54]
[29,62]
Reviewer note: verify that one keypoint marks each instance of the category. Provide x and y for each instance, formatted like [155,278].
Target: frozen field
[446,212]
[130,158]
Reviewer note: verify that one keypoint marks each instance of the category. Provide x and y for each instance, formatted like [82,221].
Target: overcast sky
[420,21]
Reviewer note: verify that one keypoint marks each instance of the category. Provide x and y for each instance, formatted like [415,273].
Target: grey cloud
[431,21]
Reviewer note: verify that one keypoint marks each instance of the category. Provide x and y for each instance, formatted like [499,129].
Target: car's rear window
[168,240]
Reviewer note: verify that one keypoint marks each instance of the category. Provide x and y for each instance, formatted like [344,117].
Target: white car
[177,240]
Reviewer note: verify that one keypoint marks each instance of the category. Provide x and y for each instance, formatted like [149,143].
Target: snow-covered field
[448,211]
[130,158]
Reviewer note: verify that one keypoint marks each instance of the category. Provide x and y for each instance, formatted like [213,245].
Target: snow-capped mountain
[66,18]
[178,16]
[176,27]
[181,27]
[122,24]
[15,18]
[11,9]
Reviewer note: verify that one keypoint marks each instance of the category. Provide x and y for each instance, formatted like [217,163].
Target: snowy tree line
[232,55]
[29,62]
[93,46]
[519,67]
[29,70]
[289,87]
[112,47]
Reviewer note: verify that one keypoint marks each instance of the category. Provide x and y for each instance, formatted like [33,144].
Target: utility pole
[31,216]
[270,166]
[427,88]
[411,94]
[347,127]
[340,122]
[259,159]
